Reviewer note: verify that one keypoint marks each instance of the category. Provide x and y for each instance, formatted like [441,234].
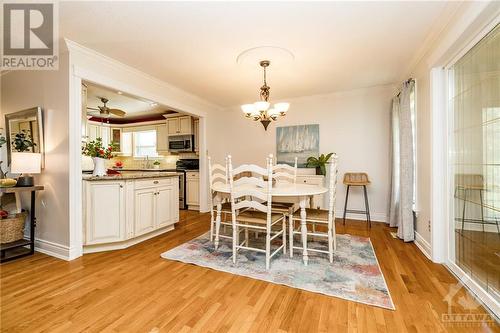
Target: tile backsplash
[166,162]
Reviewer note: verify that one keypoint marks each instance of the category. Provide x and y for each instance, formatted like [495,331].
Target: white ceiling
[134,107]
[194,45]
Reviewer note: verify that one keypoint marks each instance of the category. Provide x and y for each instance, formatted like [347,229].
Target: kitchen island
[125,209]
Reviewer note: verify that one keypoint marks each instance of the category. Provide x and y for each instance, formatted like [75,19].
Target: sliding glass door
[474,82]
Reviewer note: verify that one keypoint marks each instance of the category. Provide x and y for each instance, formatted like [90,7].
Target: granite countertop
[132,175]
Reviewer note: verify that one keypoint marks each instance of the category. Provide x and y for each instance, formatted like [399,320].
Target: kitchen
[140,167]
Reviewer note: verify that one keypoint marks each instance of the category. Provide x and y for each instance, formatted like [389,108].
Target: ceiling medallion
[261,111]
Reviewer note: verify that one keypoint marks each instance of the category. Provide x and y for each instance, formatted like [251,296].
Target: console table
[18,249]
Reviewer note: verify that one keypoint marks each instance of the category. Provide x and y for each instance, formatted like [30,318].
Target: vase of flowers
[99,154]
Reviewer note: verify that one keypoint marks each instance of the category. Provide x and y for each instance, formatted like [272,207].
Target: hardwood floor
[134,290]
[478,253]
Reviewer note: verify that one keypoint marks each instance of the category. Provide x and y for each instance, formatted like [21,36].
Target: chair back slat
[283,173]
[218,167]
[280,176]
[250,168]
[218,178]
[259,182]
[251,204]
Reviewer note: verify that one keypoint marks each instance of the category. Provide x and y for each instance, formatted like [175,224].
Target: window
[144,143]
[139,143]
[475,156]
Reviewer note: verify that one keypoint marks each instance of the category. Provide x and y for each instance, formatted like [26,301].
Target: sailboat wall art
[299,141]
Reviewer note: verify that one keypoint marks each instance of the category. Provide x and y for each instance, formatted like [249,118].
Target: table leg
[303,228]
[217,200]
[32,223]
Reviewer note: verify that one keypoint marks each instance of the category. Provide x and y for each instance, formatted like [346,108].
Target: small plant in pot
[23,142]
[99,154]
[319,163]
[156,164]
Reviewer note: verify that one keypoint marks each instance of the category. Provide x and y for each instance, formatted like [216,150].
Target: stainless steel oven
[182,189]
[182,166]
[180,143]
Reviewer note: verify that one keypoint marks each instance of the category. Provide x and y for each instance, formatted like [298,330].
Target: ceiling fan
[105,111]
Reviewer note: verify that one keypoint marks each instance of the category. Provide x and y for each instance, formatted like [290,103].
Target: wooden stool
[357,179]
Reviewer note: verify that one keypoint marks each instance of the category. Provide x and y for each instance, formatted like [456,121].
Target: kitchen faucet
[147,166]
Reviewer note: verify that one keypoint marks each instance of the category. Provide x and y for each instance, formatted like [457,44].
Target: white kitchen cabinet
[105,212]
[122,213]
[165,206]
[179,125]
[193,189]
[185,125]
[145,202]
[162,138]
[95,131]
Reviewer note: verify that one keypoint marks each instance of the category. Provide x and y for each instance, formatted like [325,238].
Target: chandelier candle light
[261,111]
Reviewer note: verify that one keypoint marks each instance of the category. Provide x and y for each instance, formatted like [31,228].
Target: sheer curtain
[402,173]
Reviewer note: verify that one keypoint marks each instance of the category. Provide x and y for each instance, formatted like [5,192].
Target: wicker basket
[12,228]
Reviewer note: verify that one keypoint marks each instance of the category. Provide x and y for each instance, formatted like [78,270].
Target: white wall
[49,89]
[354,124]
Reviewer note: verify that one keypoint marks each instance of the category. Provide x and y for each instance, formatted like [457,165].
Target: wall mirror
[24,132]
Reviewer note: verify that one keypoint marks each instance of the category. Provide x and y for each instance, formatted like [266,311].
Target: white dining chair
[217,174]
[257,216]
[284,174]
[320,217]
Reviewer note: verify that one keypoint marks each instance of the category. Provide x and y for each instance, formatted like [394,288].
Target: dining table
[299,192]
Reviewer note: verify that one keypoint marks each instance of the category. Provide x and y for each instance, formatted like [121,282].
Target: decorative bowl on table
[8,182]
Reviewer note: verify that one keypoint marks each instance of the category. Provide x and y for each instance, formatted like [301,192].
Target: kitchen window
[139,144]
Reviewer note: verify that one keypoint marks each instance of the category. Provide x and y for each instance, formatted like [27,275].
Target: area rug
[354,275]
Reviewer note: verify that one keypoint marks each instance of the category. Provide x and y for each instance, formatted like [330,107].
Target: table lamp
[25,164]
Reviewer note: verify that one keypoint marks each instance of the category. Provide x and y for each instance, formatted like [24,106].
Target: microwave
[180,143]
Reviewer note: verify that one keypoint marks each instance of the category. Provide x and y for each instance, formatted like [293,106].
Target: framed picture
[299,141]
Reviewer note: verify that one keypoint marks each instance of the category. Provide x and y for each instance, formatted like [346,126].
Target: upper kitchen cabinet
[162,138]
[179,125]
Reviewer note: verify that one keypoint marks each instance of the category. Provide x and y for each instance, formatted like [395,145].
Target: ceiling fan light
[262,105]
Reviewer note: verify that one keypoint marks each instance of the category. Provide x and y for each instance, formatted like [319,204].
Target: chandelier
[261,110]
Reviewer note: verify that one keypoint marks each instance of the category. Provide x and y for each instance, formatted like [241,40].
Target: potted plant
[23,142]
[156,164]
[319,163]
[99,154]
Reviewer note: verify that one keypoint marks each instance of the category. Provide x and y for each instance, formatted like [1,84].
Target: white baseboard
[377,217]
[476,227]
[126,243]
[423,245]
[53,249]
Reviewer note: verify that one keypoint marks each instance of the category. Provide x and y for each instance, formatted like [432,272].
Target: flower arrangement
[23,141]
[95,148]
[319,163]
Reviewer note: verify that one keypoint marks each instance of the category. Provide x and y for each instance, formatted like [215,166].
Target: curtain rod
[407,81]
